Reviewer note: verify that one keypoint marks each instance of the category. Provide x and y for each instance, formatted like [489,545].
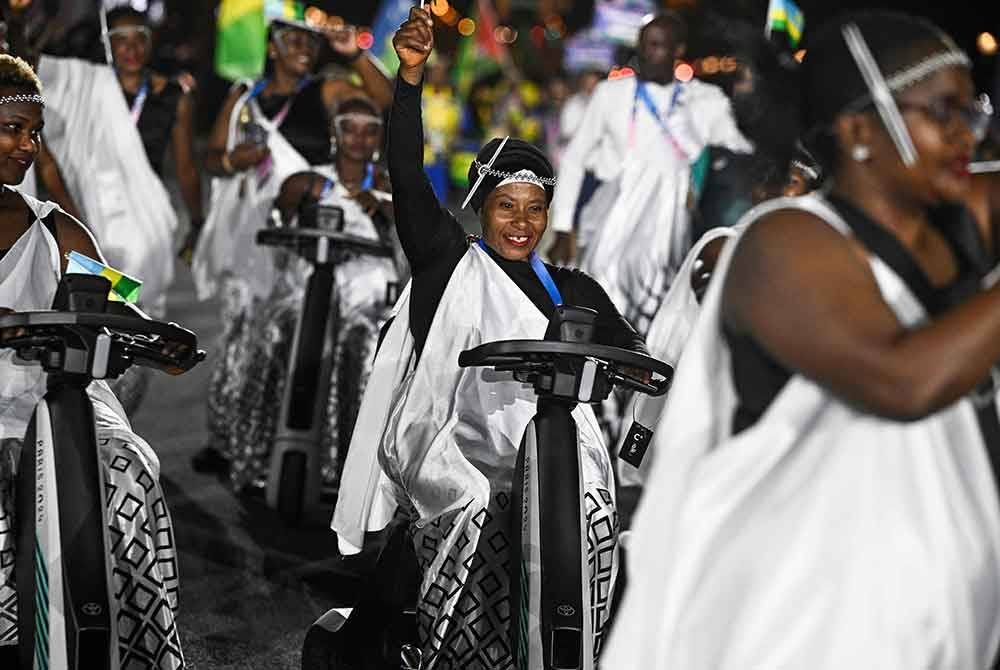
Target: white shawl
[821,537]
[90,132]
[667,336]
[241,206]
[440,435]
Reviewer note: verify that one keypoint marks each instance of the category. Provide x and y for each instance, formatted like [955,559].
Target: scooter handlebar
[155,344]
[528,355]
[312,241]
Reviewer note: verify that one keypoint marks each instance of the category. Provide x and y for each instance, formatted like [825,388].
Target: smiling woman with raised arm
[825,496]
[265,132]
[440,438]
[34,240]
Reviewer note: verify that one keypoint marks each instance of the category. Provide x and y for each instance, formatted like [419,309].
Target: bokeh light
[440,7]
[365,39]
[987,44]
[466,27]
[684,72]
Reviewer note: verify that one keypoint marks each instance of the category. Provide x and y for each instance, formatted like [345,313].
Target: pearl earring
[861,153]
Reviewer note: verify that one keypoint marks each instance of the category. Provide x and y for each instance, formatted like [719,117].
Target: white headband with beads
[21,98]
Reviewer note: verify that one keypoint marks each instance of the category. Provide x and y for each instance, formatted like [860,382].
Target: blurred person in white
[640,135]
[825,494]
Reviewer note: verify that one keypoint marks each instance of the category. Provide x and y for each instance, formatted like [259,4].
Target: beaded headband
[22,97]
[519,177]
[128,30]
[358,117]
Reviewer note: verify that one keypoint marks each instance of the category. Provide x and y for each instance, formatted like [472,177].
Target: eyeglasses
[947,113]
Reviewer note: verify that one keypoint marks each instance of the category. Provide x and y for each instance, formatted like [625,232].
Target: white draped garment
[821,537]
[240,206]
[635,231]
[90,132]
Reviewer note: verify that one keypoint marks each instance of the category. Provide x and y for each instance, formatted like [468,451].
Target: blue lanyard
[642,93]
[369,181]
[279,118]
[140,101]
[541,272]
[366,185]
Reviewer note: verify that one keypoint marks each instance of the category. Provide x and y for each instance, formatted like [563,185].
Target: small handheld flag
[785,16]
[123,287]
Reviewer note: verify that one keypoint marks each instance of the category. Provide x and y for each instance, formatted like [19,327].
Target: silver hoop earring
[377,156]
[861,152]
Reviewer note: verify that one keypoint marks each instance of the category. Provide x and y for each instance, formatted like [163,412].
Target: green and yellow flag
[123,287]
[785,16]
[241,44]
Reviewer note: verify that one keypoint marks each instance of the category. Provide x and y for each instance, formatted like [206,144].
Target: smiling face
[514,219]
[20,131]
[294,50]
[130,44]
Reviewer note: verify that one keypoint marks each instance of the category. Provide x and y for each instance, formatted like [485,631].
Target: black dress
[758,378]
[306,127]
[156,122]
[434,242]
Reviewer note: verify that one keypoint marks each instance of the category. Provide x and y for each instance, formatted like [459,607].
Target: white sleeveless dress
[821,537]
[140,530]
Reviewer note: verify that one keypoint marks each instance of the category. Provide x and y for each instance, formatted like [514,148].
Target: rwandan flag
[241,42]
[123,287]
[391,13]
[786,17]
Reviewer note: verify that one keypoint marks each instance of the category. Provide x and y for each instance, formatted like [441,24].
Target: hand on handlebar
[10,333]
[369,203]
[638,374]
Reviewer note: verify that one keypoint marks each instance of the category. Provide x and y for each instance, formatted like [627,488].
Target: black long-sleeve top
[434,241]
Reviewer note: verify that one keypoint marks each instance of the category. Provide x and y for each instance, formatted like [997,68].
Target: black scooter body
[66,617]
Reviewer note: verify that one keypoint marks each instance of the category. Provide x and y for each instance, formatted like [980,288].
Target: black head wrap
[831,81]
[517,155]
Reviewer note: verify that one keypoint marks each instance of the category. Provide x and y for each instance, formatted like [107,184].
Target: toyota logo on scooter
[92,609]
[566,610]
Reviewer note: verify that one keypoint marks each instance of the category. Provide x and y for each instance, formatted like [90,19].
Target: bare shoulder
[74,236]
[789,255]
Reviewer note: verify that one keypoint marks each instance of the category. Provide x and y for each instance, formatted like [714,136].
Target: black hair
[125,12]
[357,104]
[670,20]
[17,74]
[831,82]
[516,155]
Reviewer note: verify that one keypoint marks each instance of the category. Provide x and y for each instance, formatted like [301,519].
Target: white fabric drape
[821,537]
[440,432]
[90,132]
[667,336]
[240,206]
[634,232]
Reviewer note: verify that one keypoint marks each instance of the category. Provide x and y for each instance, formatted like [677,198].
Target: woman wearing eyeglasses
[363,295]
[826,491]
[267,131]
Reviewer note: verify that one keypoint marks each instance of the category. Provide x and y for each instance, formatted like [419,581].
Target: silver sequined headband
[22,97]
[526,176]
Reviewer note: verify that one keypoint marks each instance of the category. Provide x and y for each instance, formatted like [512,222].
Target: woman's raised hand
[413,43]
